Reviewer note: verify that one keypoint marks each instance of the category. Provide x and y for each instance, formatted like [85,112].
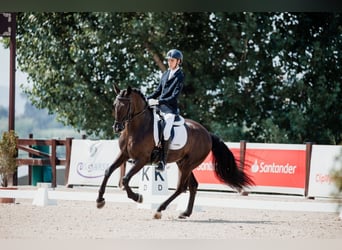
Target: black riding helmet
[175,53]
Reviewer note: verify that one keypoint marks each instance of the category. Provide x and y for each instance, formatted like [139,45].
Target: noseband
[119,126]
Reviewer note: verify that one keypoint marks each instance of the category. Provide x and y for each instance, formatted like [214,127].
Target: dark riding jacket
[168,91]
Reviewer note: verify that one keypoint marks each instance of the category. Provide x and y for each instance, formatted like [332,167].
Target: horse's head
[128,104]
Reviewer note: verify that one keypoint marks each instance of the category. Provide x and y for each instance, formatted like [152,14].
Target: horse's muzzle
[118,127]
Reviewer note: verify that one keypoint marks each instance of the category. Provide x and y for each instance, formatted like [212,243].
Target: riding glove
[153,102]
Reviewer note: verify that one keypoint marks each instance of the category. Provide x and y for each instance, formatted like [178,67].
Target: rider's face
[172,62]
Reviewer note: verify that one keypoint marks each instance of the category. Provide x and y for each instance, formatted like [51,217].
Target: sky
[20,78]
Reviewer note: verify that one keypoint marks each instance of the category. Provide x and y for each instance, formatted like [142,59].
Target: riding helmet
[175,53]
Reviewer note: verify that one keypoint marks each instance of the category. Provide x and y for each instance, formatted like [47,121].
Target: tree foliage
[267,77]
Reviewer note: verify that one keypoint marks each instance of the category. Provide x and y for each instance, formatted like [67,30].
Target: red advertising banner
[205,173]
[276,167]
[269,165]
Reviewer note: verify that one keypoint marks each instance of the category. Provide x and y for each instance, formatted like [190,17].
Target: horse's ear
[129,90]
[116,88]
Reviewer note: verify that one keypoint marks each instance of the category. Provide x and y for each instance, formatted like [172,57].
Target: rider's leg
[169,119]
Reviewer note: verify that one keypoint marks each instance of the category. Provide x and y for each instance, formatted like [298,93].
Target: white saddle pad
[179,139]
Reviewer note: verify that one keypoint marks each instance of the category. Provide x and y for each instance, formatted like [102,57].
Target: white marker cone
[41,198]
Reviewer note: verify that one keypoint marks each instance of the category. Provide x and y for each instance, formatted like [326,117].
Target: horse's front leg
[138,164]
[122,174]
[100,201]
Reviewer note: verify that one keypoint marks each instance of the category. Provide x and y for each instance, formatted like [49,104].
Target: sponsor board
[205,172]
[324,160]
[89,161]
[276,167]
[280,168]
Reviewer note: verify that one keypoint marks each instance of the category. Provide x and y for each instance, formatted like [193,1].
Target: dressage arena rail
[52,159]
[308,165]
[45,158]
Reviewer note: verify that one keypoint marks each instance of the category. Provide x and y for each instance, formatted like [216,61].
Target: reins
[129,115]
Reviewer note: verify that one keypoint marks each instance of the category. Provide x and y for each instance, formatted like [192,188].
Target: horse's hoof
[183,216]
[157,215]
[100,204]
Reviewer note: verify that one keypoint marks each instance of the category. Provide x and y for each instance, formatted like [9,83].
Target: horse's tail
[226,168]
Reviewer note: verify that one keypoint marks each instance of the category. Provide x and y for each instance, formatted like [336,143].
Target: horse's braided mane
[138,91]
[123,93]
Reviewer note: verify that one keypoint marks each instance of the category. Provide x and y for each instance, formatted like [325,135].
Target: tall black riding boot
[163,158]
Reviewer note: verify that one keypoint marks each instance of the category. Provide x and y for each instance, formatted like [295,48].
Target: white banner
[89,160]
[323,162]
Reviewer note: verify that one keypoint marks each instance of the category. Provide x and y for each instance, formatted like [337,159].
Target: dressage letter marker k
[156,174]
[144,174]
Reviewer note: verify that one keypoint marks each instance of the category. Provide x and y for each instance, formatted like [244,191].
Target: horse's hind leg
[163,206]
[193,185]
[181,187]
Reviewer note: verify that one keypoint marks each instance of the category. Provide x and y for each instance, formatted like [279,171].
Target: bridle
[120,125]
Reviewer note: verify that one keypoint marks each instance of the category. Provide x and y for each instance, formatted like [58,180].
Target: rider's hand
[153,102]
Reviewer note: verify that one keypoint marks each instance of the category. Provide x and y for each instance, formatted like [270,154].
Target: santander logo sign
[277,167]
[273,168]
[268,167]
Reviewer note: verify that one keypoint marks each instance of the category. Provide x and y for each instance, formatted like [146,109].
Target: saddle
[178,133]
[179,121]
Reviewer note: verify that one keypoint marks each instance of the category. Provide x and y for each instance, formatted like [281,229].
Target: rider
[167,92]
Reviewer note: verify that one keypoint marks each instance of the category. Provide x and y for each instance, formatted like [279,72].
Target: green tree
[311,63]
[254,76]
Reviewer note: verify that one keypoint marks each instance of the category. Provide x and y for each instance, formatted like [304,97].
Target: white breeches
[169,119]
